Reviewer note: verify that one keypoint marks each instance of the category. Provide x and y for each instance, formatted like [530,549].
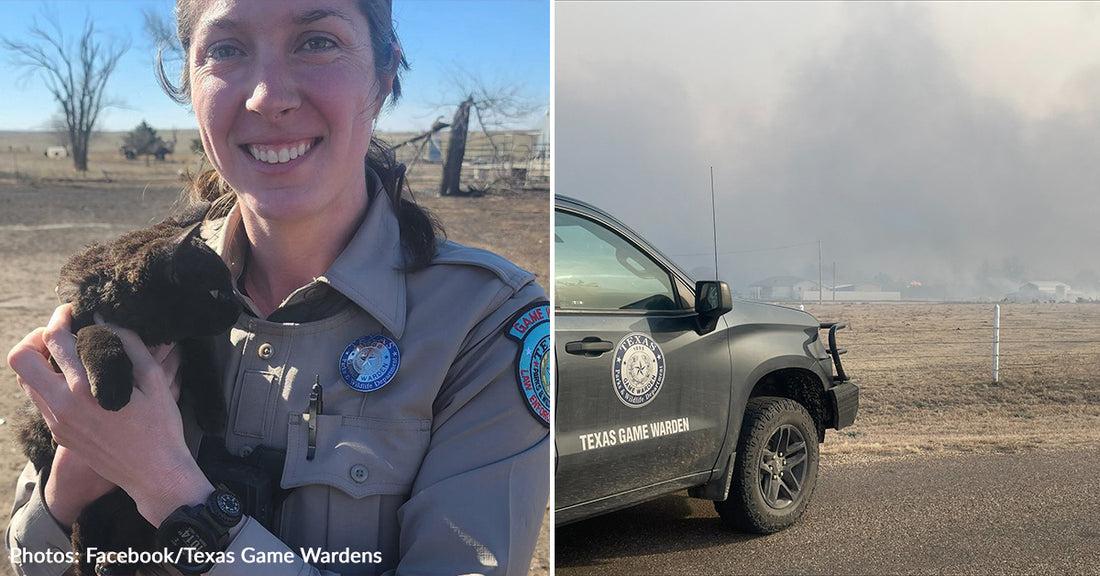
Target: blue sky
[504,42]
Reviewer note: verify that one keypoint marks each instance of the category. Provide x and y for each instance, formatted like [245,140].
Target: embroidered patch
[638,370]
[370,362]
[531,328]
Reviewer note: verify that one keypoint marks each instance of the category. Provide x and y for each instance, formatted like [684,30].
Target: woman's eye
[318,44]
[222,52]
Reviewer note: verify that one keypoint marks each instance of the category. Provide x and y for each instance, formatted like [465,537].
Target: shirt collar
[369,271]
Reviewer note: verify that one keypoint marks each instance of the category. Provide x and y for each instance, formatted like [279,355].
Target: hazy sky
[938,142]
[501,41]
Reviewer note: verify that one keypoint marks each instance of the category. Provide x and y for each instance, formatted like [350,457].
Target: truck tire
[776,469]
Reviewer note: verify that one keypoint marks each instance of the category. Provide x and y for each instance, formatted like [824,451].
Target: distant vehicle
[57,152]
[144,141]
[159,150]
[664,383]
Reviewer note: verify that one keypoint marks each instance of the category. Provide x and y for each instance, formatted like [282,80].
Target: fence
[940,356]
[512,160]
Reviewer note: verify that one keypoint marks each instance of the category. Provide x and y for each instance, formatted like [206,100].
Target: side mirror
[712,300]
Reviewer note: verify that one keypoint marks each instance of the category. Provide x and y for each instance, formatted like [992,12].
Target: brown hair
[420,231]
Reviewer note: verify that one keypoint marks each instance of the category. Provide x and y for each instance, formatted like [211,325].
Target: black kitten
[167,285]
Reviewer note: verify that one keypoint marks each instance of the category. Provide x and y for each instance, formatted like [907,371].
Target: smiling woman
[376,422]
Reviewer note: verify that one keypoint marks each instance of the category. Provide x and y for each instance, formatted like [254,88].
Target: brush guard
[843,396]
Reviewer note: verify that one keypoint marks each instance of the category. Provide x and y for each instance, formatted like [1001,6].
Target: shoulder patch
[531,328]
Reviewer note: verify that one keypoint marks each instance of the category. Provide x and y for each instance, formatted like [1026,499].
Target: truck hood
[746,311]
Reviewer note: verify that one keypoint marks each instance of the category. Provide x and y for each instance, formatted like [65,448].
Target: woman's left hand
[141,447]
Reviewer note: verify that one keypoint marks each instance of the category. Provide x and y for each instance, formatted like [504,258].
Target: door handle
[590,346]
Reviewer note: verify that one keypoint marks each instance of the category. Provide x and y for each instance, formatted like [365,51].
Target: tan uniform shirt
[442,470]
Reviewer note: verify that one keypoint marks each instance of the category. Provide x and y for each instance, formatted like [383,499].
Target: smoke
[878,145]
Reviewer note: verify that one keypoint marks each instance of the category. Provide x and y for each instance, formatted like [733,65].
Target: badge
[638,370]
[370,363]
[531,328]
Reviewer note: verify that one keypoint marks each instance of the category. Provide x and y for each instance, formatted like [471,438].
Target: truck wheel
[776,468]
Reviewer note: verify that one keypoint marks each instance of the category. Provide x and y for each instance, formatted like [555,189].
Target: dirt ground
[49,212]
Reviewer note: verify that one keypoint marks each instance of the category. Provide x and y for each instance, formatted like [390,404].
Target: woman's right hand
[72,483]
[141,447]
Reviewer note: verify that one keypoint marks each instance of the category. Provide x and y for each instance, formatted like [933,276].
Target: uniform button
[266,351]
[359,473]
[245,451]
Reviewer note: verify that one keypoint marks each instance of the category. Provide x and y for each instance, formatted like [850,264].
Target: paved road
[1035,513]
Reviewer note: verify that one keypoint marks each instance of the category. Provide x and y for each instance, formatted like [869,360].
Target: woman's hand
[140,448]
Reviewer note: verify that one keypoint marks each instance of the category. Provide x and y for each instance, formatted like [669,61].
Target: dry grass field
[925,373]
[49,211]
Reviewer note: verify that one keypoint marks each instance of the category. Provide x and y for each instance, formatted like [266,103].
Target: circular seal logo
[531,328]
[370,363]
[638,370]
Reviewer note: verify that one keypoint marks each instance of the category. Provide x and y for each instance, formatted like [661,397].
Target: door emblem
[638,370]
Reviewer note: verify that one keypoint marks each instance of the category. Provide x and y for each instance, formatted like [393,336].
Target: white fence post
[996,342]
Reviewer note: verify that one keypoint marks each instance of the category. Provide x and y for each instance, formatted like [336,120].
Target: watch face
[182,535]
[228,504]
[185,535]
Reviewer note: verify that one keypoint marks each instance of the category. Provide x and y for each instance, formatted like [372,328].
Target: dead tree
[495,106]
[421,141]
[456,150]
[76,76]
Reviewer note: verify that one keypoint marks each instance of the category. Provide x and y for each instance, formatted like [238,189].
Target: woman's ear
[386,81]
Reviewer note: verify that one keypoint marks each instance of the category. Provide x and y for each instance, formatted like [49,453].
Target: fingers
[30,361]
[147,369]
[61,343]
[161,352]
[39,403]
[171,365]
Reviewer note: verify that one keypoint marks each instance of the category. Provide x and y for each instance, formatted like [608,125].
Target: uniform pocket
[254,404]
[360,456]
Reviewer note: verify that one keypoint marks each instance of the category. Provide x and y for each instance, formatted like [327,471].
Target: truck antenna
[714,223]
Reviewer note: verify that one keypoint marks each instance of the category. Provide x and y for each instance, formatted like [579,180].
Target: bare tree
[75,74]
[456,150]
[495,105]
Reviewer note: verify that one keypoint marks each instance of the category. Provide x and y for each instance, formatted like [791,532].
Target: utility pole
[820,278]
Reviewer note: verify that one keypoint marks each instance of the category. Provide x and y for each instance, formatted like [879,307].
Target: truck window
[596,269]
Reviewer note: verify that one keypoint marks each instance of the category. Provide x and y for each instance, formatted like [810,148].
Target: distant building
[57,152]
[792,288]
[780,288]
[1041,291]
[863,292]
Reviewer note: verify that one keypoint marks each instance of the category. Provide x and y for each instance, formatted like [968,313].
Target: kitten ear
[185,235]
[178,249]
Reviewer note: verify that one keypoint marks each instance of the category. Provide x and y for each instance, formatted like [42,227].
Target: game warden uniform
[443,470]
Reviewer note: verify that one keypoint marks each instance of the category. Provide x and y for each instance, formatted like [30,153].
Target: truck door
[642,399]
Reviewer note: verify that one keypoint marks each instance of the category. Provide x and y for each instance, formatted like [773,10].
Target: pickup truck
[664,383]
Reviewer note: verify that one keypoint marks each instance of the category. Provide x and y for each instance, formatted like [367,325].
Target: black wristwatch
[194,534]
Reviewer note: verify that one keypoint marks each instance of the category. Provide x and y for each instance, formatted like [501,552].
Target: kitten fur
[167,285]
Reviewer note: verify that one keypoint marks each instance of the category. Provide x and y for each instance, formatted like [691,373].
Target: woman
[418,451]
